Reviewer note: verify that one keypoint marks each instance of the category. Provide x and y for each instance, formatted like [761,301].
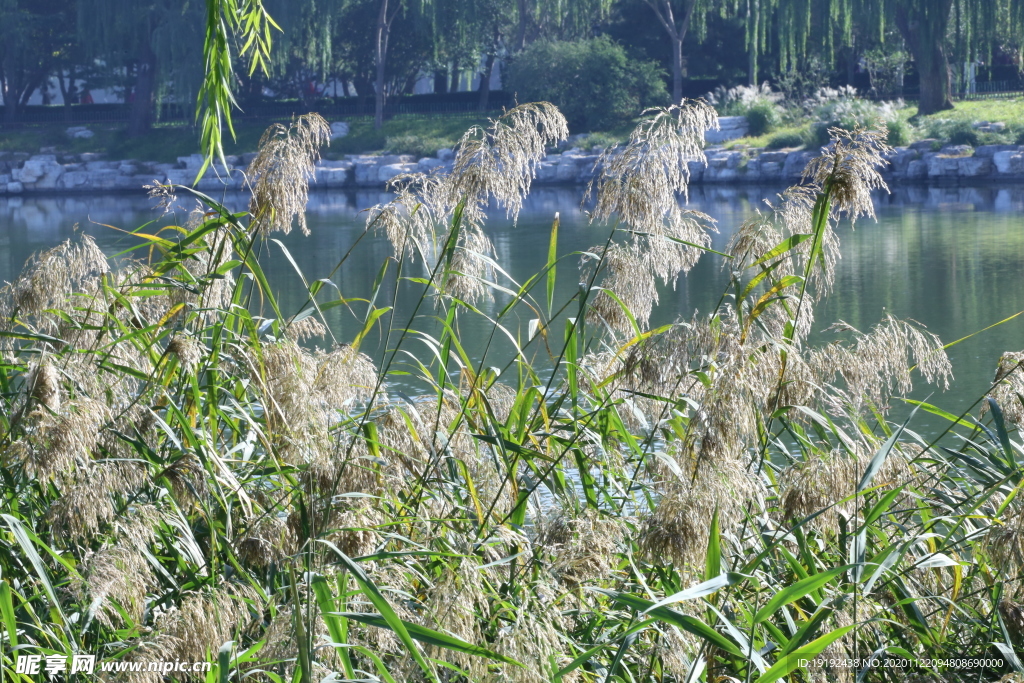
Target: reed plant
[191,473]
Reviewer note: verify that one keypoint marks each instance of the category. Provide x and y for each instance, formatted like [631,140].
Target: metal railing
[461,105]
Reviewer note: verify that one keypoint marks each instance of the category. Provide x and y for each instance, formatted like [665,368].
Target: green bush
[416,145]
[786,139]
[963,134]
[899,133]
[593,82]
[762,117]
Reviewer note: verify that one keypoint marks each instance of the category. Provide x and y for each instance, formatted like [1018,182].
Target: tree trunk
[677,69]
[383,28]
[923,24]
[522,7]
[754,17]
[454,87]
[141,115]
[485,82]
[65,92]
[441,81]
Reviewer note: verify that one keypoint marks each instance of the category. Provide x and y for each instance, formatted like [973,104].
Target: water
[950,258]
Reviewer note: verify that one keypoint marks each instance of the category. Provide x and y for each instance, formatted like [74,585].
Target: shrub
[787,139]
[756,102]
[898,133]
[593,82]
[950,132]
[416,145]
[762,118]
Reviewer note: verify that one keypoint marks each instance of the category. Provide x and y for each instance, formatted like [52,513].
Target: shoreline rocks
[919,163]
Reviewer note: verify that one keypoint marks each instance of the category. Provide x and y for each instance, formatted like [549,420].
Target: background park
[512,340]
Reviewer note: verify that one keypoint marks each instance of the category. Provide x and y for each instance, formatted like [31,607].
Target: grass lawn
[165,143]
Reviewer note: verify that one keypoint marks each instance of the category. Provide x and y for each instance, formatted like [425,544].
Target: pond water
[950,258]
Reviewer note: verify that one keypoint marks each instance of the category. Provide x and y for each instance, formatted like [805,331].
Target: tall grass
[190,475]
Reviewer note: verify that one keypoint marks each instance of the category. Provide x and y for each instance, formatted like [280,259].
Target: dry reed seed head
[59,443]
[754,238]
[1008,388]
[879,363]
[640,181]
[628,277]
[848,168]
[266,541]
[280,174]
[86,502]
[501,161]
[678,528]
[307,328]
[819,483]
[1013,616]
[582,547]
[1005,542]
[203,621]
[345,376]
[470,268]
[54,275]
[117,577]
[187,479]
[188,350]
[45,383]
[163,194]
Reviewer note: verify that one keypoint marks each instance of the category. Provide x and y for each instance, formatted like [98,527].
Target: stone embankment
[920,162]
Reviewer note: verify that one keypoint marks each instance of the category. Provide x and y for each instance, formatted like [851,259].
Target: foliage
[783,139]
[414,144]
[759,104]
[886,68]
[844,108]
[591,81]
[189,475]
[898,133]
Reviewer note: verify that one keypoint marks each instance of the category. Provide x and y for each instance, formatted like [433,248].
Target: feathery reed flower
[280,174]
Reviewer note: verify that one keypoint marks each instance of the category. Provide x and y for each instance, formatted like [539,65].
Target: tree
[157,44]
[33,35]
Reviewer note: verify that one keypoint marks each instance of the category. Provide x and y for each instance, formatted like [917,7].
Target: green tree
[33,36]
[593,82]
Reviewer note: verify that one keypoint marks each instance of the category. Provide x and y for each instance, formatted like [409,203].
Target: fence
[988,90]
[455,104]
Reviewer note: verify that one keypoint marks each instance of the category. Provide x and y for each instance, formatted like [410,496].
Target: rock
[446,154]
[925,145]
[942,166]
[902,158]
[696,169]
[332,177]
[974,167]
[773,157]
[41,171]
[100,165]
[74,179]
[917,169]
[546,171]
[366,171]
[127,169]
[956,151]
[92,156]
[729,128]
[795,164]
[48,150]
[389,171]
[1009,162]
[565,172]
[339,129]
[15,187]
[428,164]
[990,150]
[771,170]
[192,161]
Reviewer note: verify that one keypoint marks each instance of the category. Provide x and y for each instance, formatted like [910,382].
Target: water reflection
[949,257]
